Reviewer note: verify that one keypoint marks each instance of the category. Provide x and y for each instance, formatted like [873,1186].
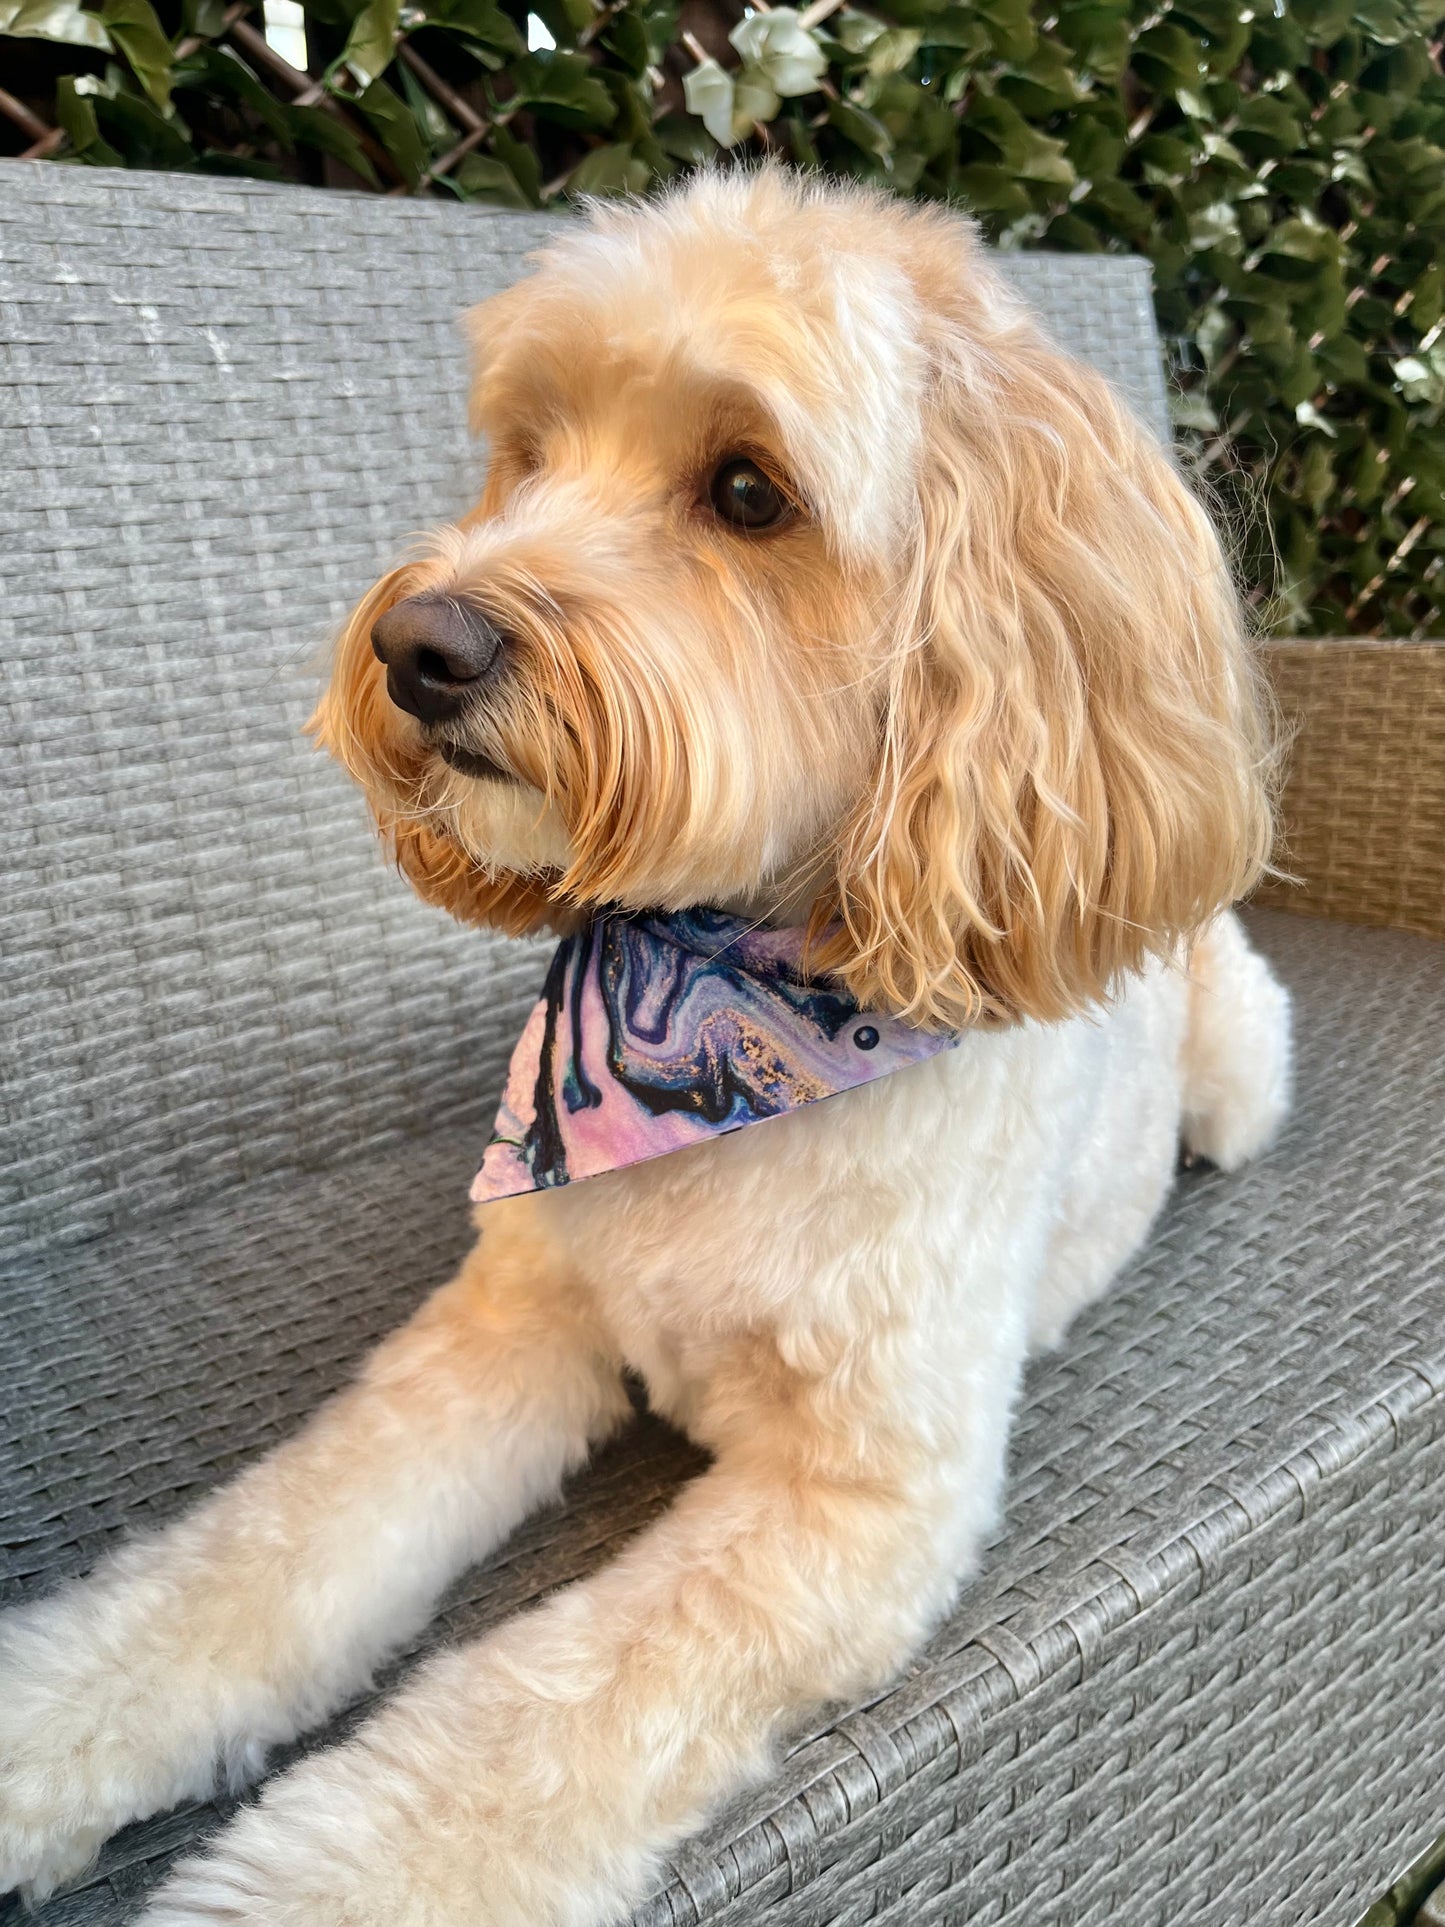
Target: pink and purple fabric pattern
[654,1033]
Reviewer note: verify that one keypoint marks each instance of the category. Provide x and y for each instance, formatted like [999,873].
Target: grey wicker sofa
[1202,1675]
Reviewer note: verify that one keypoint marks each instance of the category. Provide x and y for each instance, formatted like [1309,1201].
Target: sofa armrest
[1364,791]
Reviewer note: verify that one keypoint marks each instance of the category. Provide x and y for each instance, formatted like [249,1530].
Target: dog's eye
[744,497]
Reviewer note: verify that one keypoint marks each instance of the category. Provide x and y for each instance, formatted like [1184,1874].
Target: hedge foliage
[1281,163]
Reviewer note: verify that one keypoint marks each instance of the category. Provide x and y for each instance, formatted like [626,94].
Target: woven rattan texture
[1364,802]
[224,406]
[1198,1676]
[222,411]
[1102,309]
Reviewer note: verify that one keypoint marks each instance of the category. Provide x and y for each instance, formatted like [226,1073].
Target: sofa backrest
[224,407]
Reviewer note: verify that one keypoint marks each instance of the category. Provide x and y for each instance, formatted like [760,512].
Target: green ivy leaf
[893,49]
[956,28]
[395,126]
[314,127]
[863,129]
[60,20]
[1164,158]
[437,132]
[633,101]
[135,30]
[1218,18]
[522,160]
[854,33]
[1323,21]
[76,114]
[1098,36]
[480,20]
[1042,85]
[1388,21]
[1042,158]
[1096,143]
[203,17]
[802,149]
[1126,211]
[562,87]
[372,41]
[685,139]
[220,70]
[990,190]
[626,38]
[609,170]
[142,134]
[1277,44]
[659,20]
[1215,227]
[250,166]
[1266,128]
[334,13]
[1167,57]
[1070,233]
[1032,155]
[1344,361]
[1011,29]
[481,178]
[1428,301]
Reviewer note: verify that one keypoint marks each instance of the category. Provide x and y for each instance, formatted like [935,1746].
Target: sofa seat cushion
[1216,1606]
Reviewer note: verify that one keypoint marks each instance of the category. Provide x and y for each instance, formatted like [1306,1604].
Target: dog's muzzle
[438,651]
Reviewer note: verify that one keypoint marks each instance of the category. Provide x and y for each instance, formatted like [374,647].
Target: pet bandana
[656,1032]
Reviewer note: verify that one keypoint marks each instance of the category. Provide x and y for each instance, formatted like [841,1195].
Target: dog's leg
[535,1778]
[238,1627]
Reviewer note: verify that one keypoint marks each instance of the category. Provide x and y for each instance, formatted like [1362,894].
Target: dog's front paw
[459,1805]
[100,1724]
[336,1842]
[41,1845]
[66,1778]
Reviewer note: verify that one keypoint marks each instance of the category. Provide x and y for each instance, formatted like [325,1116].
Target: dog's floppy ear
[354,722]
[1073,758]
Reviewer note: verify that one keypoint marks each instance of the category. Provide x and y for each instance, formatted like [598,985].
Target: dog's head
[809,579]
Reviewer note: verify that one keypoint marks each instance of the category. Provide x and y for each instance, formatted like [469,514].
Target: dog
[810,584]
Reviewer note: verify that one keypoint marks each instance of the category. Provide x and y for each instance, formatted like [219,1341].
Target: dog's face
[808,579]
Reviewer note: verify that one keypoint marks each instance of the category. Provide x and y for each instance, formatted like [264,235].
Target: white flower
[708,92]
[779,53]
[754,100]
[779,60]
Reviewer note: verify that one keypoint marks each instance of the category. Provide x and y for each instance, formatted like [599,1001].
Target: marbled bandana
[656,1032]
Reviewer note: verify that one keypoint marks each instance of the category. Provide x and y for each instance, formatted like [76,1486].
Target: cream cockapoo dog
[811,582]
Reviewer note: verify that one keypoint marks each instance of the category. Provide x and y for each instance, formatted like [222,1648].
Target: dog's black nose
[436,649]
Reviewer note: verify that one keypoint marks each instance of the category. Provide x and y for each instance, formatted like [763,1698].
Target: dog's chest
[680,1281]
[778,1238]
